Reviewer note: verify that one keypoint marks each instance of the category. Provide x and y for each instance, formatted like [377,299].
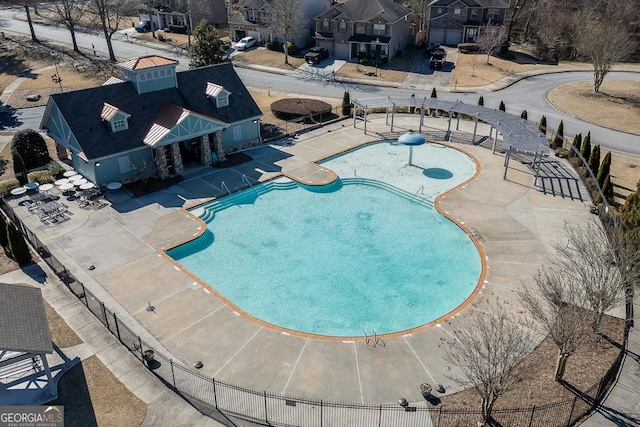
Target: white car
[245,43]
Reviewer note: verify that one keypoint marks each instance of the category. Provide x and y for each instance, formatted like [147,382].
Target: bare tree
[110,14]
[600,45]
[70,13]
[551,302]
[488,346]
[284,20]
[489,38]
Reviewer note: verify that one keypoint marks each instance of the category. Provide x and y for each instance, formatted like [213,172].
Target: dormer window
[117,119]
[219,94]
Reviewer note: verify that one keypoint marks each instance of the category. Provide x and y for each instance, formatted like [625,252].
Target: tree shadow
[73,394]
[13,65]
[8,120]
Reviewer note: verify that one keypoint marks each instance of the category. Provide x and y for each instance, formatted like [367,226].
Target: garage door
[453,37]
[342,51]
[436,36]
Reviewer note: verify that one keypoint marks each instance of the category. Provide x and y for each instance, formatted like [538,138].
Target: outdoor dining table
[76,177]
[87,186]
[68,174]
[18,191]
[79,182]
[45,187]
[31,185]
[68,186]
[61,181]
[114,185]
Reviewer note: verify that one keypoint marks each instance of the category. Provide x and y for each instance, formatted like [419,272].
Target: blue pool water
[358,254]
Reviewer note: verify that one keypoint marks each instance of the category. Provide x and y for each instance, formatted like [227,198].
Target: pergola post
[354,115]
[449,125]
[458,122]
[421,117]
[365,120]
[475,128]
[393,114]
[506,163]
[491,132]
[47,370]
[537,169]
[386,119]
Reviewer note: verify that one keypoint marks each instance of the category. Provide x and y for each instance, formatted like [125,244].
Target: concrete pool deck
[514,222]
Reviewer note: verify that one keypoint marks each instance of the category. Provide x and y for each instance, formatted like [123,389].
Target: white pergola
[517,135]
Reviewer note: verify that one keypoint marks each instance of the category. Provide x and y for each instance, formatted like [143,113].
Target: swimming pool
[357,254]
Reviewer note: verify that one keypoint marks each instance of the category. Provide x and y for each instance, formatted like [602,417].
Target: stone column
[205,150]
[218,147]
[160,160]
[176,158]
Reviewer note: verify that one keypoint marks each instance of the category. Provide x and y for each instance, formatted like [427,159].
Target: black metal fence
[235,405]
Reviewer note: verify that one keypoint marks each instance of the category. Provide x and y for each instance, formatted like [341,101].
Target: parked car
[143,26]
[245,43]
[315,55]
[438,58]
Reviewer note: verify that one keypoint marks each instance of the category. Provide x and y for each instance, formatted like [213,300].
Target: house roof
[97,140]
[251,4]
[366,10]
[23,320]
[168,117]
[474,3]
[143,62]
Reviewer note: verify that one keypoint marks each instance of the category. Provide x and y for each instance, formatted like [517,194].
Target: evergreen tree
[607,188]
[481,100]
[31,147]
[585,150]
[524,115]
[19,169]
[594,160]
[433,93]
[502,107]
[4,241]
[207,48]
[605,168]
[542,126]
[577,142]
[18,249]
[346,104]
[558,141]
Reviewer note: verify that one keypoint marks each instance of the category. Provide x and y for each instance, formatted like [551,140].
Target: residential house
[249,18]
[186,13]
[359,28]
[457,21]
[154,122]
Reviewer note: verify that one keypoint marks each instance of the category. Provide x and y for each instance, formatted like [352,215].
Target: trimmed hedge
[8,185]
[41,177]
[293,108]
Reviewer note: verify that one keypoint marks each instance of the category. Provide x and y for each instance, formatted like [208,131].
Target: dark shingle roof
[97,140]
[366,10]
[23,321]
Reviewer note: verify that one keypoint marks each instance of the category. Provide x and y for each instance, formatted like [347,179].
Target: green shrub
[434,93]
[384,59]
[291,48]
[346,104]
[41,177]
[542,126]
[558,141]
[502,107]
[577,142]
[55,169]
[4,240]
[19,170]
[468,47]
[363,61]
[178,29]
[524,115]
[605,169]
[32,148]
[585,150]
[17,247]
[8,185]
[607,188]
[481,100]
[594,160]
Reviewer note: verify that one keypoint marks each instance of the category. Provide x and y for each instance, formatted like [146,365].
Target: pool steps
[207,212]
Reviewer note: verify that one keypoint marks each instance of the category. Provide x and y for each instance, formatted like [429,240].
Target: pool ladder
[245,179]
[356,179]
[375,340]
[224,187]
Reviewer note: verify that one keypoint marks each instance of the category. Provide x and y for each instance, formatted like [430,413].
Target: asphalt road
[529,94]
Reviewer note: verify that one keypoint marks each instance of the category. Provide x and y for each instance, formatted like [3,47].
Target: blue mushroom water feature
[411,139]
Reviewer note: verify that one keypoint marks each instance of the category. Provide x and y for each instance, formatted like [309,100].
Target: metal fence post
[266,418]
[439,416]
[380,416]
[115,320]
[173,375]
[573,405]
[533,411]
[215,394]
[320,412]
[84,293]
[104,315]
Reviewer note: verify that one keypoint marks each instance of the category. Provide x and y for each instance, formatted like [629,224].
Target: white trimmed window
[222,100]
[457,11]
[237,133]
[326,25]
[343,26]
[379,29]
[493,14]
